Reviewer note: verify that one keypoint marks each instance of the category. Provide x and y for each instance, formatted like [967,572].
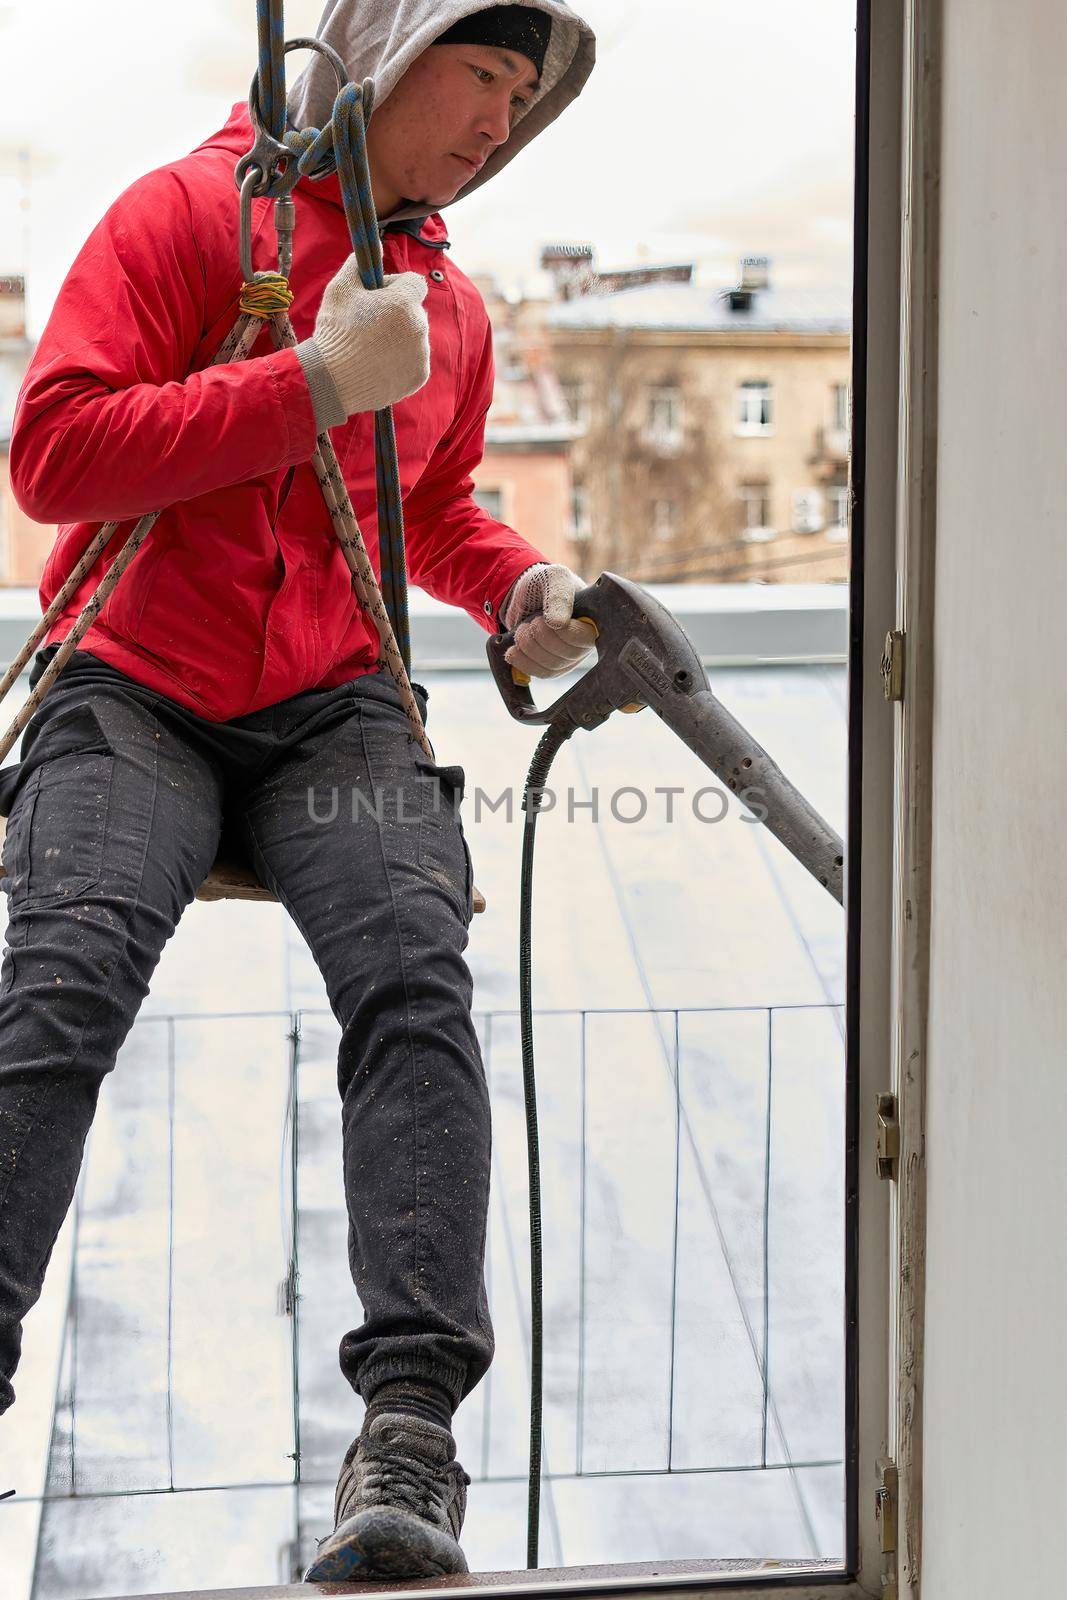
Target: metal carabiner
[275,161]
[248,189]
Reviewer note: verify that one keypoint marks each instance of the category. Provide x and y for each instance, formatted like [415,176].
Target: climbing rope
[237,347]
[281,159]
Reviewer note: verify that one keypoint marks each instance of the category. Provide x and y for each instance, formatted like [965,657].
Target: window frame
[580,524]
[885,452]
[839,417]
[837,527]
[795,507]
[745,427]
[762,529]
[578,414]
[501,492]
[671,437]
[658,530]
[869,874]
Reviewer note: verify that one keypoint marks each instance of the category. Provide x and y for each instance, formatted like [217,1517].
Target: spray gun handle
[513,684]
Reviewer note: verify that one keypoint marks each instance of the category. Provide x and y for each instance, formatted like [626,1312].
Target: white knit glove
[370,347]
[549,640]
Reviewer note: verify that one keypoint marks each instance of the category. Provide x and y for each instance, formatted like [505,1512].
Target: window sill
[826,1582]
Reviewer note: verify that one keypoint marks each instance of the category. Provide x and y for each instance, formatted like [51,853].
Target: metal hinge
[888,1136]
[893,666]
[885,1505]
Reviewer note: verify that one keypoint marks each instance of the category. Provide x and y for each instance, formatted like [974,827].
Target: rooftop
[695,307]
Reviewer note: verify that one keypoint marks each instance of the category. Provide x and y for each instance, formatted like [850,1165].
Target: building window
[807,510]
[756,512]
[664,426]
[839,407]
[664,518]
[491,500]
[837,522]
[576,399]
[581,528]
[755,407]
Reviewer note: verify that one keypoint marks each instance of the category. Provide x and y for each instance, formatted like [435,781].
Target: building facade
[713,426]
[524,477]
[641,423]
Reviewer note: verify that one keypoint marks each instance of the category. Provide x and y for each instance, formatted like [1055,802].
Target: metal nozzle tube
[704,724]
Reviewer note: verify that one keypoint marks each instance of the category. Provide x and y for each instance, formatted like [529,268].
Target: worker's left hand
[549,639]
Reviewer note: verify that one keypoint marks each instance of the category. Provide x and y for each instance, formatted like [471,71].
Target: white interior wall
[996,1394]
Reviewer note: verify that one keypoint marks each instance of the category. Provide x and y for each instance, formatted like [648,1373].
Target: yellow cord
[269,294]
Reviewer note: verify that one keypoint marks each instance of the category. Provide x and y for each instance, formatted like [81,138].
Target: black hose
[551,740]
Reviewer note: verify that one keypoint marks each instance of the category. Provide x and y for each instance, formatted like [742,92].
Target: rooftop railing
[693,1231]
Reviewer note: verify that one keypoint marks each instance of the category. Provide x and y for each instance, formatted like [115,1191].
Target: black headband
[521,28]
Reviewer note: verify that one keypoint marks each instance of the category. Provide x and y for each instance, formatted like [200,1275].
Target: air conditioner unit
[808,516]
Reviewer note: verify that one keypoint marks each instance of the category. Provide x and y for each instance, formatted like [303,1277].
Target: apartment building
[524,478]
[713,424]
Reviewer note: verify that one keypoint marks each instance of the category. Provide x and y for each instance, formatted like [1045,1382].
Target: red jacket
[241,597]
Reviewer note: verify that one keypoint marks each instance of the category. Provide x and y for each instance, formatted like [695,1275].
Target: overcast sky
[709,129]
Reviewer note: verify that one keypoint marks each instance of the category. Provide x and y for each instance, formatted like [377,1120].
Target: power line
[802,558]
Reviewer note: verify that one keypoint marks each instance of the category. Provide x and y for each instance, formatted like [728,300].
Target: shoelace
[407,1480]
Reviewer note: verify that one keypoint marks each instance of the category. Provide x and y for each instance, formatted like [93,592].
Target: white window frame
[754,409]
[810,518]
[580,530]
[666,432]
[837,520]
[577,396]
[758,529]
[840,414]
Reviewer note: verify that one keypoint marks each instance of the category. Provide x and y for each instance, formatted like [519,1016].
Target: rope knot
[267,295]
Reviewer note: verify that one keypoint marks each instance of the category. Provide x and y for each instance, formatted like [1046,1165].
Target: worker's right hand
[372,344]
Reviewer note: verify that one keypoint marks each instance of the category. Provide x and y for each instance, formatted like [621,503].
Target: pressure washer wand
[645,658]
[724,746]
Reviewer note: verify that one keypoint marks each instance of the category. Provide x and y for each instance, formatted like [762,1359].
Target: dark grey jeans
[116,811]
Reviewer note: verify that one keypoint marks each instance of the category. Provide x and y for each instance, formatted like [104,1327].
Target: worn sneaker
[400,1503]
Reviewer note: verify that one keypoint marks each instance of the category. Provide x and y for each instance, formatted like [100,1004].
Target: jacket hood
[380,39]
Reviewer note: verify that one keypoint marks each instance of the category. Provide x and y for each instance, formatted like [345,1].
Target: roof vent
[755,272]
[755,275]
[572,268]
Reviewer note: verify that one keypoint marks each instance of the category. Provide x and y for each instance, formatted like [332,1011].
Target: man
[231,673]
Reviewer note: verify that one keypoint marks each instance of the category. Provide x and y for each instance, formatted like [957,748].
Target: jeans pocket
[469,908]
[16,851]
[55,848]
[442,845]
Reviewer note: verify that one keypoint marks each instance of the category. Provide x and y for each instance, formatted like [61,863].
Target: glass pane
[662,394]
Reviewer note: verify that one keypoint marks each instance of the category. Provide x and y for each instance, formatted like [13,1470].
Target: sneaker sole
[385,1543]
